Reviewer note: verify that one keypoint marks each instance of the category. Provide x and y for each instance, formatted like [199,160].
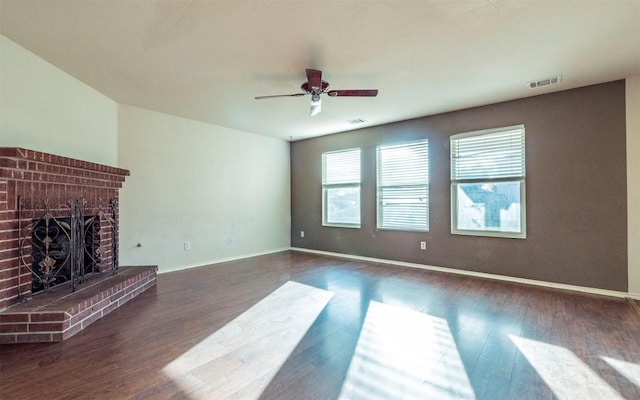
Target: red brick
[9,244]
[80,316]
[110,308]
[8,253]
[34,338]
[9,283]
[72,331]
[14,328]
[91,319]
[9,225]
[14,317]
[8,266]
[8,339]
[8,293]
[117,296]
[125,299]
[101,304]
[46,327]
[48,317]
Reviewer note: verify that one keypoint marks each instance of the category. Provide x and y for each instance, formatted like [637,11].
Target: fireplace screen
[61,245]
[51,250]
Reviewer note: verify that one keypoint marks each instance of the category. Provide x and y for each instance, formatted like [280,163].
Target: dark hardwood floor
[301,326]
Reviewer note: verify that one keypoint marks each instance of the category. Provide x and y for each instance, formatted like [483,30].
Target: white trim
[220,260]
[632,100]
[553,285]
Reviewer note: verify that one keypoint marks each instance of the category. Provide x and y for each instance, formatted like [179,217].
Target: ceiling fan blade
[314,77]
[280,95]
[359,93]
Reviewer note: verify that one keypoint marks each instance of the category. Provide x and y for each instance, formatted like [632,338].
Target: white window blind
[340,167]
[495,154]
[341,188]
[403,186]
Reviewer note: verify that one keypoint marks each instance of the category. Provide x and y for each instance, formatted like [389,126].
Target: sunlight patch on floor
[405,354]
[240,359]
[565,374]
[629,370]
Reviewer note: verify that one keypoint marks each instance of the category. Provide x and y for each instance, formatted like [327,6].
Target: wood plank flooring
[301,326]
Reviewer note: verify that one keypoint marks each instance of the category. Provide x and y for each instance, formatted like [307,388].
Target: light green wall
[633,181]
[226,192]
[43,108]
[189,181]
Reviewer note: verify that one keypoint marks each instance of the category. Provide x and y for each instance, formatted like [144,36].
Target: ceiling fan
[315,86]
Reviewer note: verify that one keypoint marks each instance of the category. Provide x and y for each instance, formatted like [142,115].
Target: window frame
[326,187]
[416,184]
[520,179]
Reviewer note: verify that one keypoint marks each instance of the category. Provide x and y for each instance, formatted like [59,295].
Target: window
[403,186]
[488,183]
[341,188]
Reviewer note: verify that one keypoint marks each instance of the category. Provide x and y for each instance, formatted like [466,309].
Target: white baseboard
[219,260]
[583,289]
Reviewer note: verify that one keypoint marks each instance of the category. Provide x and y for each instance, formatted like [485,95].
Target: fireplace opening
[55,260]
[63,241]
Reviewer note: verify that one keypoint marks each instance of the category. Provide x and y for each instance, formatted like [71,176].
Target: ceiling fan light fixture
[316,105]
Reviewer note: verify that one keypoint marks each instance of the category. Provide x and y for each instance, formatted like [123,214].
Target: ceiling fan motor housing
[309,89]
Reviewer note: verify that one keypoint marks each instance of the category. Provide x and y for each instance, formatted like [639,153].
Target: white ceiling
[207,59]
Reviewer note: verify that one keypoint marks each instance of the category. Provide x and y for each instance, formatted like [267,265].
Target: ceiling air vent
[356,121]
[554,80]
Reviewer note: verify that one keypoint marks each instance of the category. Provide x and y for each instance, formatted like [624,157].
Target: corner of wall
[198,193]
[633,182]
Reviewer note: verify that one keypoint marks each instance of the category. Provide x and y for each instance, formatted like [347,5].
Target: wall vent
[554,80]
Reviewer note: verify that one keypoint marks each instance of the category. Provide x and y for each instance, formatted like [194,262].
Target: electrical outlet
[301,233]
[187,246]
[423,245]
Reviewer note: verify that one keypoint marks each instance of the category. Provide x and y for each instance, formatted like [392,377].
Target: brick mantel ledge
[16,158]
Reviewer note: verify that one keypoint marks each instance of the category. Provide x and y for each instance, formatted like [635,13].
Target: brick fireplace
[43,198]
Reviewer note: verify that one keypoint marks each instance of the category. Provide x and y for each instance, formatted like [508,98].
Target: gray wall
[576,191]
